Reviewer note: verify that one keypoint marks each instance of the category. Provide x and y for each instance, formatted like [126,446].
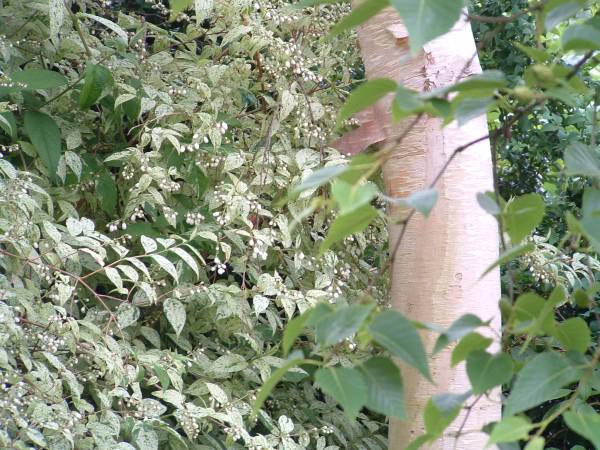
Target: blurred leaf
[361,13]
[39,79]
[294,329]
[350,197]
[587,425]
[556,11]
[580,159]
[398,335]
[510,429]
[522,215]
[487,371]
[459,328]
[342,322]
[427,19]
[470,343]
[365,95]
[510,255]
[347,224]
[347,386]
[581,37]
[574,334]
[540,380]
[385,391]
[106,190]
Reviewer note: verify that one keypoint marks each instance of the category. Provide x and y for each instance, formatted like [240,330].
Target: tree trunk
[436,273]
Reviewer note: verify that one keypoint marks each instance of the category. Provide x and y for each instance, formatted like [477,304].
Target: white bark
[436,275]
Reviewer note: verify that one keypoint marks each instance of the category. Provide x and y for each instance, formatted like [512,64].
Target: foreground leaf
[45,137]
[385,393]
[540,380]
[398,335]
[346,386]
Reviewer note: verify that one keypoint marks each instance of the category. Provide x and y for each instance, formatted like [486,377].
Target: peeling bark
[436,274]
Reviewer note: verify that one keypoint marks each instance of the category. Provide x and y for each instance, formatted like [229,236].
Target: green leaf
[488,81]
[581,159]
[347,386]
[175,313]
[537,443]
[441,410]
[40,79]
[406,102]
[574,334]
[320,177]
[106,191]
[540,380]
[522,215]
[276,376]
[537,55]
[470,343]
[533,314]
[459,328]
[587,425]
[556,11]
[488,203]
[468,108]
[509,255]
[385,390]
[341,323]
[45,137]
[166,265]
[110,25]
[427,19]
[581,37]
[293,330]
[421,201]
[350,197]
[97,78]
[348,224]
[365,95]
[361,13]
[398,335]
[163,376]
[510,429]
[486,371]
[8,123]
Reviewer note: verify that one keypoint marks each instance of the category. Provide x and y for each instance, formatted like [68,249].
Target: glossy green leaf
[587,425]
[522,215]
[341,323]
[427,19]
[97,78]
[347,224]
[40,79]
[385,390]
[45,137]
[472,342]
[574,334]
[540,380]
[487,371]
[398,335]
[360,14]
[365,95]
[510,429]
[347,386]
